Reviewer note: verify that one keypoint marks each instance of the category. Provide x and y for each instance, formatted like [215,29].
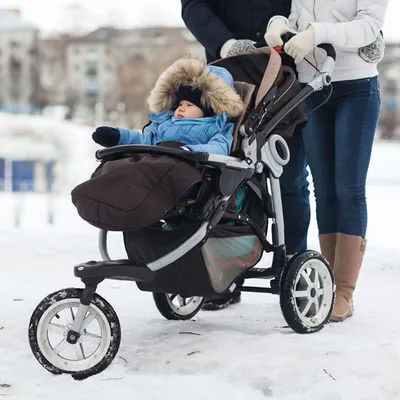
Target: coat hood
[215,83]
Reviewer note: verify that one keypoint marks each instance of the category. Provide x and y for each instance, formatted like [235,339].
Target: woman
[339,136]
[228,27]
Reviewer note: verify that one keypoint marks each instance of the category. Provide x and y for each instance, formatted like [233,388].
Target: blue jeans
[295,196]
[338,141]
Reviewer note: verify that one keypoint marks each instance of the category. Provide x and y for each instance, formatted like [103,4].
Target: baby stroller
[215,240]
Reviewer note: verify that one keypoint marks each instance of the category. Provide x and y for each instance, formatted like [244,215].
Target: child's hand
[106,136]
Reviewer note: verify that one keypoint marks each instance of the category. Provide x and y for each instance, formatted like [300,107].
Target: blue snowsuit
[208,134]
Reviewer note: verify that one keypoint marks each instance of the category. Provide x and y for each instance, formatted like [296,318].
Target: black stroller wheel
[307,292]
[175,307]
[98,341]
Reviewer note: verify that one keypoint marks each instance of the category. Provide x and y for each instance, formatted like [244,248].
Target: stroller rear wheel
[175,307]
[98,342]
[307,292]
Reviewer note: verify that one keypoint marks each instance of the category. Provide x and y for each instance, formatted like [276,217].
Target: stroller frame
[264,152]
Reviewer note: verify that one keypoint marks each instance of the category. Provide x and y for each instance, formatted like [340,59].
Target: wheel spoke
[61,346]
[173,297]
[307,279]
[301,293]
[182,301]
[82,350]
[320,292]
[317,305]
[316,277]
[88,320]
[70,316]
[307,308]
[91,338]
[57,328]
[80,355]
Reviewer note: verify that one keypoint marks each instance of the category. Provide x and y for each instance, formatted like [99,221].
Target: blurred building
[92,62]
[53,58]
[389,80]
[103,66]
[19,63]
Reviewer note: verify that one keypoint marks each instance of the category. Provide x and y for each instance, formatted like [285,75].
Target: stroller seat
[212,268]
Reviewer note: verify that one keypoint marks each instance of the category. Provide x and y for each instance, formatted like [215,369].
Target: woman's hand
[301,44]
[233,46]
[278,27]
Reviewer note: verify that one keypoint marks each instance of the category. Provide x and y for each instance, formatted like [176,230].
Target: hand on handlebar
[301,44]
[277,29]
[239,46]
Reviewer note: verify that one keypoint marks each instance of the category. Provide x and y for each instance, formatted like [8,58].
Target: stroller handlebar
[327,67]
[215,160]
[330,50]
[115,152]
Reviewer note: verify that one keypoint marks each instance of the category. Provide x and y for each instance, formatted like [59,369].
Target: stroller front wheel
[307,292]
[98,342]
[175,307]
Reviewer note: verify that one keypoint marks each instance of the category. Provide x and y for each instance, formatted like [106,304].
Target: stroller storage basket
[208,270]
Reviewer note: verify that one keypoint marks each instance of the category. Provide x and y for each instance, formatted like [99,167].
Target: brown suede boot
[327,243]
[348,259]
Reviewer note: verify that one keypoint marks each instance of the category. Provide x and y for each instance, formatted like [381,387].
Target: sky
[84,15]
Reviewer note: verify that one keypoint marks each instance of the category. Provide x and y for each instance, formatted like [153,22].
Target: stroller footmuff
[198,244]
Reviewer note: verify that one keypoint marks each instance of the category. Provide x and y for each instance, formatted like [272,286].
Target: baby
[191,104]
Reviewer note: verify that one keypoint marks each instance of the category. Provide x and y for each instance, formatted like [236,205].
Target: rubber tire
[103,305]
[286,299]
[160,299]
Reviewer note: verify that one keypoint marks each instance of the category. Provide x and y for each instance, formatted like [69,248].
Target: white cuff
[277,17]
[320,32]
[226,47]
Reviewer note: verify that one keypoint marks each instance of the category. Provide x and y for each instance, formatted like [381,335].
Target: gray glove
[373,53]
[239,46]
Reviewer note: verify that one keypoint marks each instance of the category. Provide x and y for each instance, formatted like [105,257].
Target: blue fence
[2,174]
[23,178]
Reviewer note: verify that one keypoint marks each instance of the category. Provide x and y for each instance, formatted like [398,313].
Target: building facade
[19,63]
[102,65]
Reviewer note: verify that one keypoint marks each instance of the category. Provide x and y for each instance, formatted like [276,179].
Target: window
[14,44]
[16,66]
[91,72]
[92,55]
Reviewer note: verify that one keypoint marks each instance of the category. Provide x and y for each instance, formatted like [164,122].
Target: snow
[44,138]
[243,352]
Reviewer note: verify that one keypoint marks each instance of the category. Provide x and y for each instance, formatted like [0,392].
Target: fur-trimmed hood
[215,83]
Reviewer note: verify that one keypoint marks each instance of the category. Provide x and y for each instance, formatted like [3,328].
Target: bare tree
[139,74]
[71,101]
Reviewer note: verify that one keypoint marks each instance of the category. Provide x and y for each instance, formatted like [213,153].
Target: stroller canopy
[259,67]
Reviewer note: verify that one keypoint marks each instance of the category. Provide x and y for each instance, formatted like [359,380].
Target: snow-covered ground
[244,352]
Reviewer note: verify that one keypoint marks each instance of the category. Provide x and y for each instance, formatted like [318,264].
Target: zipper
[314,11]
[315,20]
[277,101]
[289,87]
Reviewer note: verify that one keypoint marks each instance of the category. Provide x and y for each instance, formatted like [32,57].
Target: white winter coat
[347,25]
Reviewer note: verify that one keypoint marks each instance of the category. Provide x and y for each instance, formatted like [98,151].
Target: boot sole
[216,307]
[340,318]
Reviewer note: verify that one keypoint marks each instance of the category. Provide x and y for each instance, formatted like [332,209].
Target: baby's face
[187,109]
